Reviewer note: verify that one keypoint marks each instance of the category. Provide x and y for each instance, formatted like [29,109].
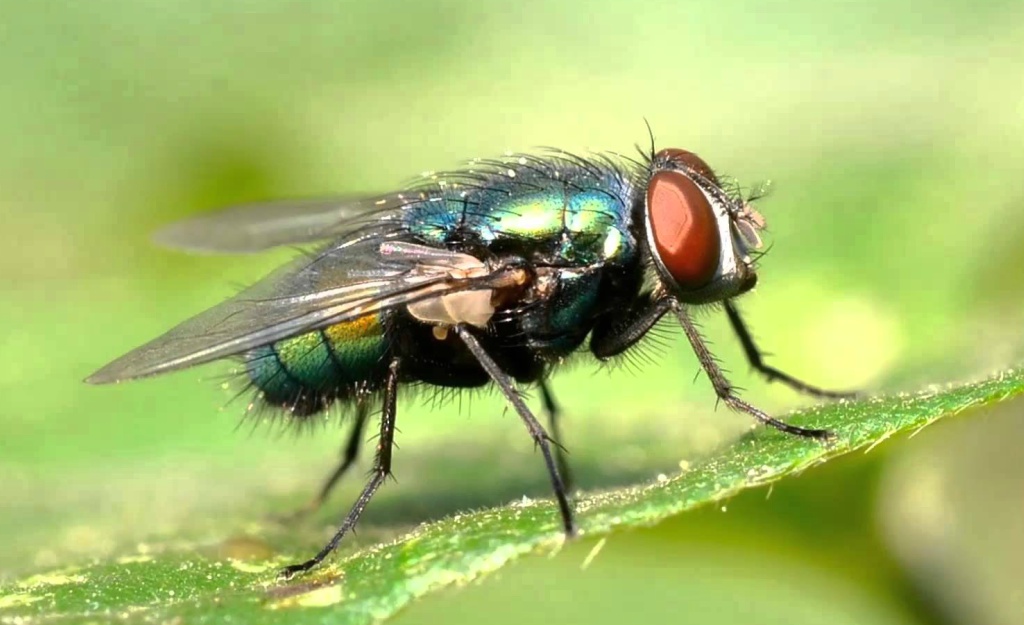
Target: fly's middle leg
[540,437]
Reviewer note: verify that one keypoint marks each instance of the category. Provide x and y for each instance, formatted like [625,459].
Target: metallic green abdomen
[308,372]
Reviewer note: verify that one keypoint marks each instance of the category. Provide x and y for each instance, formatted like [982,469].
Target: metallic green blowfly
[493,274]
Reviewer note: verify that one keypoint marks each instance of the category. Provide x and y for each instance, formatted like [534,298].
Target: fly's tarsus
[724,389]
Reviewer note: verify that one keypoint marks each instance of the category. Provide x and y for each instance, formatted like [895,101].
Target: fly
[490,275]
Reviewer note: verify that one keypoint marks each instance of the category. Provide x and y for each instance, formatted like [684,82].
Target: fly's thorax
[580,225]
[560,310]
[698,236]
[531,208]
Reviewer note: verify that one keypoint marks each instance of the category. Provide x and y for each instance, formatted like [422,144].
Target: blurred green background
[894,133]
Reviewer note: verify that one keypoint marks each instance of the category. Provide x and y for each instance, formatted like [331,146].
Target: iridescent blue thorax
[568,219]
[552,211]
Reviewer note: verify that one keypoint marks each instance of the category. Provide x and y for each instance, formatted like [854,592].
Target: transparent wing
[345,282]
[256,227]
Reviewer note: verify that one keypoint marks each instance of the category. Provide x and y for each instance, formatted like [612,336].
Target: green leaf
[181,581]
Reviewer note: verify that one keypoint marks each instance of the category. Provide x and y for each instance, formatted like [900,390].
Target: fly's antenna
[647,155]
[650,134]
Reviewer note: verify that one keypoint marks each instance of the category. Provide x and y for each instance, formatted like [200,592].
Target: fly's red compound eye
[689,159]
[683,229]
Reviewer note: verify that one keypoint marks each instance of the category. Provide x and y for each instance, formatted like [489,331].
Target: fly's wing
[248,228]
[354,278]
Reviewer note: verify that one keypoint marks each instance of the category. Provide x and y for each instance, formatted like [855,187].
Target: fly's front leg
[773,374]
[618,332]
[622,329]
[724,389]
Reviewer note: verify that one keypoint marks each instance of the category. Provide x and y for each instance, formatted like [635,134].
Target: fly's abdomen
[306,373]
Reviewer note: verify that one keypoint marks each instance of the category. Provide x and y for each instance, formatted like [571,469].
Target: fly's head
[699,236]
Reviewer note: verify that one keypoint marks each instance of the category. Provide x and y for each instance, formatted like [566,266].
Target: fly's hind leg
[554,415]
[349,455]
[381,470]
